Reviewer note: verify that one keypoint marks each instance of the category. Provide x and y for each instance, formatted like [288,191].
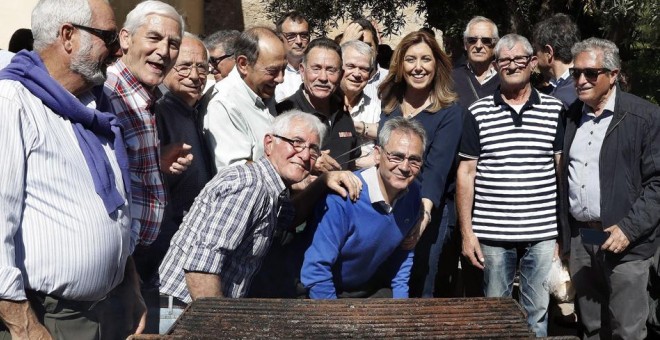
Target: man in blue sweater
[355,248]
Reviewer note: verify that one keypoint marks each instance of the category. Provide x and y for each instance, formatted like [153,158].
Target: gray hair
[225,39]
[284,121]
[360,47]
[138,15]
[49,15]
[509,41]
[478,19]
[610,51]
[403,125]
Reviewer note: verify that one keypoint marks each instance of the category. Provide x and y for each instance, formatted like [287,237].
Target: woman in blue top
[419,86]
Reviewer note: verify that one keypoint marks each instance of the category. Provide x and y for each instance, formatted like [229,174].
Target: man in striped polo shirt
[506,182]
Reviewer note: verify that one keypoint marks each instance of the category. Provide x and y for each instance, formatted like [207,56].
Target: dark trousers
[611,295]
[65,319]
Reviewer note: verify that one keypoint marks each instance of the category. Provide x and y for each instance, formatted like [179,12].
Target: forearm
[21,320]
[366,130]
[203,285]
[464,201]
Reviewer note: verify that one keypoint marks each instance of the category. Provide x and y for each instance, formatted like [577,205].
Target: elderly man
[362,29]
[241,113]
[221,50]
[358,59]
[321,73]
[506,182]
[552,41]
[227,232]
[477,77]
[66,231]
[355,250]
[611,180]
[293,28]
[150,42]
[178,122]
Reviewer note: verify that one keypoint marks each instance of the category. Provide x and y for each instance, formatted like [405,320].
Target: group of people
[146,162]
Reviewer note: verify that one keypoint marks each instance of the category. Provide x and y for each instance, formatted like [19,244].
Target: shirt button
[591,132]
[582,186]
[584,209]
[585,164]
[589,143]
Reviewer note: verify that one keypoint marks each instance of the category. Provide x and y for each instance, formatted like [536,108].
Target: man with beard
[321,73]
[66,232]
[293,29]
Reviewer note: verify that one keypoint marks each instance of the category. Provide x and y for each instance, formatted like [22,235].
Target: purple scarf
[88,124]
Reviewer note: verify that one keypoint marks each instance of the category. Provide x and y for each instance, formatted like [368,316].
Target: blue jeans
[501,261]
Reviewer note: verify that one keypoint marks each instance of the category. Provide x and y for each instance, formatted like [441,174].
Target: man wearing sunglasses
[293,29]
[477,77]
[221,52]
[66,225]
[610,183]
[506,183]
[353,249]
[553,39]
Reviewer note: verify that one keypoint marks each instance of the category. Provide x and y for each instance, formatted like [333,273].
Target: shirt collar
[149,96]
[370,176]
[290,68]
[177,104]
[555,82]
[490,73]
[609,106]
[258,101]
[533,99]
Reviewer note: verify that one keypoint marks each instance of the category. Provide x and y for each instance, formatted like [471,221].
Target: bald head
[260,60]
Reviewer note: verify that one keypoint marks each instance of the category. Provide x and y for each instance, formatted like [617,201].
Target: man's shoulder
[487,102]
[293,102]
[633,104]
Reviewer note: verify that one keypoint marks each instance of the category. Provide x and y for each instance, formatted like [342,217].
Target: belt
[594,224]
[41,297]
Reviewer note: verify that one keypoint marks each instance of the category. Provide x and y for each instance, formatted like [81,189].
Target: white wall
[14,14]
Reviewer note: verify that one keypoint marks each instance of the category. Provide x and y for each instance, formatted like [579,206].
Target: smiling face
[593,91]
[356,71]
[321,72]
[393,177]
[268,71]
[152,49]
[192,55]
[292,166]
[515,75]
[419,67]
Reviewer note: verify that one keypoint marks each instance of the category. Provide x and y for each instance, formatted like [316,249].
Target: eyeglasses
[398,158]
[300,145]
[520,61]
[488,41]
[589,72]
[185,70]
[291,36]
[109,37]
[217,60]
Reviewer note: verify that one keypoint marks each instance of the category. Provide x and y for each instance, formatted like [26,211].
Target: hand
[33,331]
[345,183]
[20,320]
[352,32]
[175,158]
[416,232]
[325,163]
[472,250]
[556,253]
[300,186]
[617,242]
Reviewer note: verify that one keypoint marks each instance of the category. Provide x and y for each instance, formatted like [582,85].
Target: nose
[298,39]
[194,74]
[280,76]
[323,75]
[163,48]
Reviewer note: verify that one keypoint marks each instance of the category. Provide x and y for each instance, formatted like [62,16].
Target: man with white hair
[66,231]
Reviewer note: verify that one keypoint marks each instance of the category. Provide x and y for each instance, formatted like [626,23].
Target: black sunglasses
[109,37]
[589,72]
[216,60]
[488,41]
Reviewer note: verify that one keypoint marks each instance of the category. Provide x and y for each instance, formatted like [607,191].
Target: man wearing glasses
[293,29]
[609,185]
[221,52]
[477,76]
[506,183]
[66,226]
[355,247]
[242,111]
[321,71]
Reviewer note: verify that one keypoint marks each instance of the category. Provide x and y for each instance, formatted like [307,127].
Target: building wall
[14,14]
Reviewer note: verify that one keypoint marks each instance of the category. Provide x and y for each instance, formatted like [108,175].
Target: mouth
[156,67]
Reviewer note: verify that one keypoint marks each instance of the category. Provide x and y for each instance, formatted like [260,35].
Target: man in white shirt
[293,28]
[240,114]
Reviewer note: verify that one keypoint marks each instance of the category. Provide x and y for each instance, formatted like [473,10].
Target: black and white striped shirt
[515,196]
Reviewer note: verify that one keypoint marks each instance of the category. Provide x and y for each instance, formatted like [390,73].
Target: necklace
[409,111]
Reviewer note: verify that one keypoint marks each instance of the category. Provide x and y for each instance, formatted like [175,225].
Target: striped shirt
[56,236]
[132,103]
[228,230]
[515,188]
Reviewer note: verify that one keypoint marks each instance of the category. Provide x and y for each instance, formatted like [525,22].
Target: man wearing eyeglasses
[506,186]
[293,28]
[241,112]
[553,39]
[221,52]
[477,77]
[610,184]
[66,232]
[178,122]
[354,248]
[321,72]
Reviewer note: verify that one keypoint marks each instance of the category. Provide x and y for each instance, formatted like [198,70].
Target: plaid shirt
[229,229]
[132,103]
